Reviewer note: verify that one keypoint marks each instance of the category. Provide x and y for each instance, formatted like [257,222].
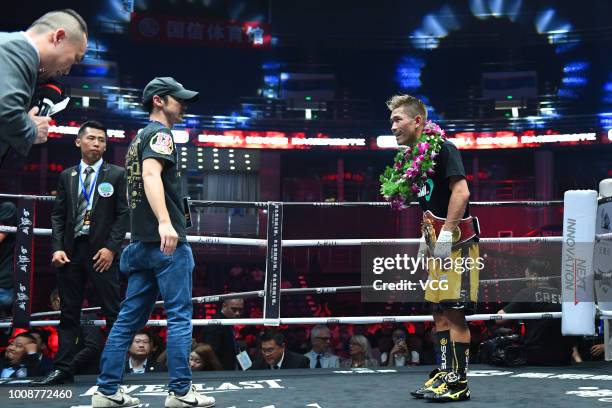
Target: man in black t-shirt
[543,341]
[444,197]
[158,259]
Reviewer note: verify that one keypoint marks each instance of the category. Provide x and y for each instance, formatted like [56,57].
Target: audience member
[401,353]
[320,355]
[359,352]
[203,358]
[21,358]
[140,359]
[274,354]
[223,338]
[42,337]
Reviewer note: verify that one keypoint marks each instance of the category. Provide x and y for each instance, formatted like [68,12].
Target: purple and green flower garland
[412,166]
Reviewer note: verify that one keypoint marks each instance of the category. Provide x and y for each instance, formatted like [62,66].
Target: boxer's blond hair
[413,106]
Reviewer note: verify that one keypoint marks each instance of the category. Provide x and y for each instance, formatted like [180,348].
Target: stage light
[543,20]
[575,66]
[574,81]
[408,73]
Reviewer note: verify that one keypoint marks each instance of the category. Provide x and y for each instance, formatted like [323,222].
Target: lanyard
[88,194]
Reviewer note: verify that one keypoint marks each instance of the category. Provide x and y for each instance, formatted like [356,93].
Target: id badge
[86,221]
[244,360]
[187,209]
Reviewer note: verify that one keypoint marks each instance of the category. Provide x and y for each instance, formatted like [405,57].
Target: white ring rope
[294,243]
[264,204]
[319,320]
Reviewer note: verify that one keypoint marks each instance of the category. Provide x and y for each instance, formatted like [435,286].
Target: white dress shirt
[328,360]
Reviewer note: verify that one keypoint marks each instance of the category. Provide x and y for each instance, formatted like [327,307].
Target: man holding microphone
[49,47]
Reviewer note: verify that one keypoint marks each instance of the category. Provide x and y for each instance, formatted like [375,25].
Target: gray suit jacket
[18,74]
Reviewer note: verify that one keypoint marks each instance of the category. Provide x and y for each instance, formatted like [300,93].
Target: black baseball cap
[168,86]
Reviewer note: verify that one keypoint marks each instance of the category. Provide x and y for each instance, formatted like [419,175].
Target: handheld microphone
[49,94]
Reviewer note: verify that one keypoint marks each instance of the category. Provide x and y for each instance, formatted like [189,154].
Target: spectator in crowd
[401,354]
[384,344]
[21,358]
[274,354]
[8,217]
[42,337]
[203,358]
[543,342]
[223,338]
[320,355]
[360,353]
[140,359]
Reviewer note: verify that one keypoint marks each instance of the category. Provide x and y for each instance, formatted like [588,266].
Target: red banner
[146,27]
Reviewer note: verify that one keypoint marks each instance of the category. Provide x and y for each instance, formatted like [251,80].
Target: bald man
[48,48]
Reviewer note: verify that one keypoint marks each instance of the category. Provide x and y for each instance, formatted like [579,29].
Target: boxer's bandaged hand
[444,244]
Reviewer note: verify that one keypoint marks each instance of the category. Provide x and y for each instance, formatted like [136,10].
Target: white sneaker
[191,399]
[118,399]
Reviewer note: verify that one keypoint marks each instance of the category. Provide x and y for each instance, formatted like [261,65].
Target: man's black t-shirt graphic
[435,194]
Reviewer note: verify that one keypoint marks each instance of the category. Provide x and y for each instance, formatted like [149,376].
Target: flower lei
[412,166]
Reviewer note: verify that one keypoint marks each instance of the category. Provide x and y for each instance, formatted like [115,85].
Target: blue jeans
[149,273]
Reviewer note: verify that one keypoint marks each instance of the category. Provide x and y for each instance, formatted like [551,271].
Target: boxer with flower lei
[428,168]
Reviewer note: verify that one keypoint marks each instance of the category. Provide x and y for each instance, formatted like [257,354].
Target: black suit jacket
[291,360]
[32,363]
[109,215]
[221,339]
[150,367]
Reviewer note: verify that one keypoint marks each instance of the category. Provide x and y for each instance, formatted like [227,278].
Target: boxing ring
[585,385]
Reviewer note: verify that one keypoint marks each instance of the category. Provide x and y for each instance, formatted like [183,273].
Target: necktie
[82,205]
[318,365]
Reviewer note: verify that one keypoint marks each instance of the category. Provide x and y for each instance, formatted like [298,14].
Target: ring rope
[295,243]
[264,204]
[319,320]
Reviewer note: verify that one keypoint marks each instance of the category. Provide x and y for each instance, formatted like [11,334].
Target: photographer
[543,342]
